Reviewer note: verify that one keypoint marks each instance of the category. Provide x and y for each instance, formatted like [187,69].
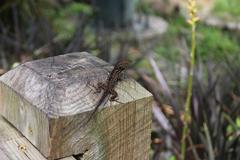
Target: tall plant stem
[187,113]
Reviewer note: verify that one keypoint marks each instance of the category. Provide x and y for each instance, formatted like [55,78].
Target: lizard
[108,87]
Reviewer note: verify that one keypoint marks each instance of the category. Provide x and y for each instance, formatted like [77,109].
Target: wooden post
[48,100]
[13,146]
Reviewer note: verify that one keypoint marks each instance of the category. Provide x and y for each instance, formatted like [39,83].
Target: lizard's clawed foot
[118,101]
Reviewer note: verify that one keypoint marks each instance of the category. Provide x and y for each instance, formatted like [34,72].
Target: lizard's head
[122,65]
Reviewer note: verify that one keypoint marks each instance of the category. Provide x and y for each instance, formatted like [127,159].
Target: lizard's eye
[122,67]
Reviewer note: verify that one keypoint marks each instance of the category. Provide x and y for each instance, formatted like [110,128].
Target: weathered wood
[68,158]
[7,132]
[47,101]
[13,146]
[19,148]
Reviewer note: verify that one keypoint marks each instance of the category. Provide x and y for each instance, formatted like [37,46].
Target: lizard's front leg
[100,86]
[120,78]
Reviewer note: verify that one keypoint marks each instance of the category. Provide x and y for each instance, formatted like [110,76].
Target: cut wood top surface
[64,85]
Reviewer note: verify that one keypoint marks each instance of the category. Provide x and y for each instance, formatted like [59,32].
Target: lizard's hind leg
[114,95]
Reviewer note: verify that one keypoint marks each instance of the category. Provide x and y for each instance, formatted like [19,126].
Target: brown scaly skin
[108,87]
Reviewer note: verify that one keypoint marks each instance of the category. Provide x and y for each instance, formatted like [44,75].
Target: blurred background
[155,36]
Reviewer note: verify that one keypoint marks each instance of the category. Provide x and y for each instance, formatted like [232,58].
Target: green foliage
[212,43]
[227,6]
[144,7]
[76,8]
[167,51]
[25,11]
[238,122]
[215,44]
[172,158]
[26,6]
[64,19]
[166,48]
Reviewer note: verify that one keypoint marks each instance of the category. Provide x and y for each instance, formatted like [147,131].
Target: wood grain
[58,85]
[30,121]
[68,158]
[7,132]
[13,146]
[47,101]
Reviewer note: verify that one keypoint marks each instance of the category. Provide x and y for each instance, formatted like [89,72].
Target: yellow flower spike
[192,9]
